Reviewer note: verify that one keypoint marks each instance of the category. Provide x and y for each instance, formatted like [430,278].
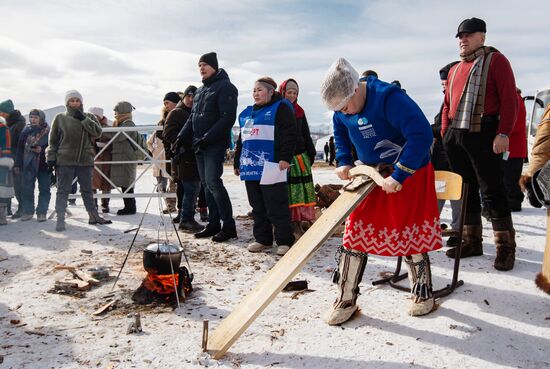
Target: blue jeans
[27,191]
[189,192]
[210,166]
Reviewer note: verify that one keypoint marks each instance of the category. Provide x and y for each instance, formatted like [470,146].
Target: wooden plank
[105,307]
[229,330]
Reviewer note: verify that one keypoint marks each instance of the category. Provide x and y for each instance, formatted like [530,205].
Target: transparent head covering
[339,84]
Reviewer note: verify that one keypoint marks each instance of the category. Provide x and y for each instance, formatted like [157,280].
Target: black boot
[208,231]
[225,234]
[129,207]
[105,205]
[505,242]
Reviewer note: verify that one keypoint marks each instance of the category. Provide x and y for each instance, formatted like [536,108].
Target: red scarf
[298,111]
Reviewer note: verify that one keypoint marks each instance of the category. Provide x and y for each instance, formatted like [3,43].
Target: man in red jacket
[479,113]
[513,165]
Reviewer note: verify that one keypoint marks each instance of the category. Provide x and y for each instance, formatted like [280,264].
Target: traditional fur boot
[471,242]
[420,277]
[350,268]
[505,242]
[94,218]
[3,213]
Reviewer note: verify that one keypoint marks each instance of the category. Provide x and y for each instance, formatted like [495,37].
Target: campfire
[160,288]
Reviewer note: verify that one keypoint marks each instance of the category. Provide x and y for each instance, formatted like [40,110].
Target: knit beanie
[123,107]
[73,93]
[172,96]
[190,90]
[7,107]
[339,84]
[96,111]
[211,59]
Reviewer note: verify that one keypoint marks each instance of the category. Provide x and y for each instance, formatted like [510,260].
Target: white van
[540,102]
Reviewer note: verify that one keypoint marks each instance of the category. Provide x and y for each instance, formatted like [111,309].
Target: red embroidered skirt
[397,224]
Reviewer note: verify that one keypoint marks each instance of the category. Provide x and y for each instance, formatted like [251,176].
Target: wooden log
[543,278]
[290,264]
[78,274]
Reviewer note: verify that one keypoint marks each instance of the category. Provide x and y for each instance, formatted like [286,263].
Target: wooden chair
[448,186]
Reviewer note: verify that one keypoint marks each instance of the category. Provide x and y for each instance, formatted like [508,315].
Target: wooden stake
[204,335]
[278,277]
[543,278]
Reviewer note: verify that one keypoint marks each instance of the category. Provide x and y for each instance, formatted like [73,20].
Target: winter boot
[94,218]
[505,242]
[350,268]
[129,207]
[227,233]
[420,277]
[105,205]
[3,213]
[471,242]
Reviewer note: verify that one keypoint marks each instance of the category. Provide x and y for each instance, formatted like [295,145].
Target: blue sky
[139,50]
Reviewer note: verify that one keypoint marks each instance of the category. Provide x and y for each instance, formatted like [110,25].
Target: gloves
[51,165]
[79,115]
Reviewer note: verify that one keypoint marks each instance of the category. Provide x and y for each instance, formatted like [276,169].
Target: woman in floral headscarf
[30,163]
[301,191]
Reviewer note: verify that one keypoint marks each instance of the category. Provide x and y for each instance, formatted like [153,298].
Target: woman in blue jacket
[268,135]
[401,218]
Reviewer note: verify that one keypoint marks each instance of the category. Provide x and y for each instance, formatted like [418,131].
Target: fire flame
[162,284]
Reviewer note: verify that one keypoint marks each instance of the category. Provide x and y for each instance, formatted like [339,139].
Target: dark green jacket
[70,140]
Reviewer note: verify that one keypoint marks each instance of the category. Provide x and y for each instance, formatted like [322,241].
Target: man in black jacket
[15,122]
[209,125]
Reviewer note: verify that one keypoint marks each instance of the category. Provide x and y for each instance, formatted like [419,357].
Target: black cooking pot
[162,258]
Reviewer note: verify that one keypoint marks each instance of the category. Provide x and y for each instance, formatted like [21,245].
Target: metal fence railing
[149,162]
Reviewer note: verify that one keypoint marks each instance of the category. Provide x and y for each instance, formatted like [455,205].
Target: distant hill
[140,118]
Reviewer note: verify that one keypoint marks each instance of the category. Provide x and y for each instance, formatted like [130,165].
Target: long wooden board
[230,329]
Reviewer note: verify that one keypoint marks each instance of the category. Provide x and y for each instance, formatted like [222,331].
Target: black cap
[471,25]
[172,96]
[211,59]
[190,90]
[444,72]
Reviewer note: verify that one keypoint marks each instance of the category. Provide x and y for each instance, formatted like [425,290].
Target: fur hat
[7,107]
[211,59]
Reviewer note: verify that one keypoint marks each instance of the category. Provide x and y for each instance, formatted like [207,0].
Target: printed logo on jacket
[257,136]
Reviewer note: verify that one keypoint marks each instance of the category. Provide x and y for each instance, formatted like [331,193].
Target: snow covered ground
[496,320]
